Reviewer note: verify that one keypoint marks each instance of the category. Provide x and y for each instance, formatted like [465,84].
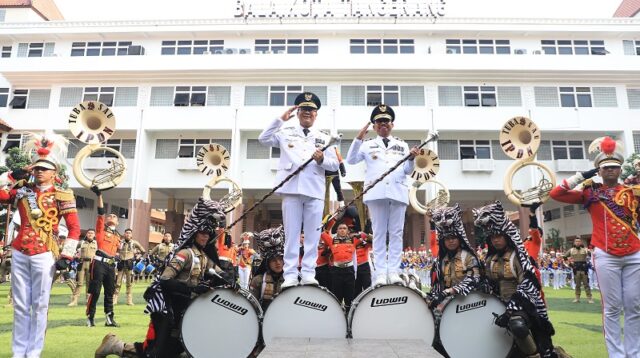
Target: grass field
[578,326]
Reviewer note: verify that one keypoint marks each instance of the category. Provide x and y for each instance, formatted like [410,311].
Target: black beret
[308,99]
[382,111]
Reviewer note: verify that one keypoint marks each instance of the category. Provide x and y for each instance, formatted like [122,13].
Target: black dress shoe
[90,322]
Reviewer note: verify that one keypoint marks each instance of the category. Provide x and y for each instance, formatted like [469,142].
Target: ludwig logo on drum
[470,306]
[229,305]
[379,302]
[309,304]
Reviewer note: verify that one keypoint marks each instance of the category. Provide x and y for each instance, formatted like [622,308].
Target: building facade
[176,85]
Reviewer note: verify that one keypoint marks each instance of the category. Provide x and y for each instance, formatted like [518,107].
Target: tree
[554,240]
[631,169]
[17,159]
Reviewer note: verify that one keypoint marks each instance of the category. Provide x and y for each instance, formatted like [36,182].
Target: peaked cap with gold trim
[382,111]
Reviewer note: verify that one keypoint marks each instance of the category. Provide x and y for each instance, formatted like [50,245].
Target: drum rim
[257,308]
[356,302]
[322,288]
[439,323]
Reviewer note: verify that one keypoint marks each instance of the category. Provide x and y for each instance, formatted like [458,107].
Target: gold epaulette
[64,194]
[587,183]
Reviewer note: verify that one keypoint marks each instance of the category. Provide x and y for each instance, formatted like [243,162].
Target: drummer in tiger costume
[457,269]
[511,276]
[267,282]
[183,278]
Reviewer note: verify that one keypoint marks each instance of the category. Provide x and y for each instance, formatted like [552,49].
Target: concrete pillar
[141,220]
[523,222]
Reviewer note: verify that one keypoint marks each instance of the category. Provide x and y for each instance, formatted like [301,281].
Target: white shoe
[394,278]
[289,282]
[309,281]
[380,280]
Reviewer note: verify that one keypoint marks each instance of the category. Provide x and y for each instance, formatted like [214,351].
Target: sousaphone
[426,166]
[520,140]
[213,160]
[93,123]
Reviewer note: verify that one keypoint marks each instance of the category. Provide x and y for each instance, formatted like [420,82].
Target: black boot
[90,322]
[110,321]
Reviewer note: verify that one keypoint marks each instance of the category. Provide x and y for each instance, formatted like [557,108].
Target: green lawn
[578,326]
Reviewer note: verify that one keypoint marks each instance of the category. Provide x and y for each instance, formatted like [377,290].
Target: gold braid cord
[44,226]
[627,199]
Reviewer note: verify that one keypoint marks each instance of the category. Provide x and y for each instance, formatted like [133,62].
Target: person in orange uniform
[614,214]
[533,242]
[228,254]
[41,205]
[363,270]
[246,260]
[343,247]
[323,274]
[103,265]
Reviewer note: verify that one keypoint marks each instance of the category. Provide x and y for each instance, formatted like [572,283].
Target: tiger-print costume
[206,215]
[492,219]
[448,222]
[270,243]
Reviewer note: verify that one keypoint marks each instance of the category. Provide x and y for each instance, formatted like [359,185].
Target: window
[469,46]
[255,150]
[101,94]
[546,96]
[484,96]
[38,99]
[631,47]
[575,97]
[633,96]
[107,48]
[166,148]
[572,149]
[283,95]
[6,52]
[412,95]
[188,148]
[19,100]
[280,95]
[636,142]
[384,46]
[256,96]
[553,214]
[448,149]
[35,49]
[122,213]
[13,141]
[352,95]
[190,96]
[569,210]
[509,96]
[4,97]
[3,13]
[288,46]
[84,202]
[218,96]
[192,47]
[124,146]
[604,97]
[573,47]
[388,95]
[449,96]
[475,149]
[126,97]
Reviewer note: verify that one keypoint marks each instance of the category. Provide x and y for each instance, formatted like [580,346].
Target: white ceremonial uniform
[302,195]
[387,201]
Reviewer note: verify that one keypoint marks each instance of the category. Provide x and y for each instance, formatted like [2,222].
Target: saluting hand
[364,131]
[288,114]
[318,156]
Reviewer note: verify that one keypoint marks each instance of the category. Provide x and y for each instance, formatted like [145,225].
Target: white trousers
[301,212]
[244,273]
[387,216]
[618,278]
[31,278]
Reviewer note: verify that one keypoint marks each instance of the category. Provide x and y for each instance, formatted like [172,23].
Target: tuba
[520,140]
[427,165]
[213,159]
[93,123]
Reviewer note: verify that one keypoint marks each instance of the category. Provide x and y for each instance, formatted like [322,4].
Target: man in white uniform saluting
[387,201]
[302,195]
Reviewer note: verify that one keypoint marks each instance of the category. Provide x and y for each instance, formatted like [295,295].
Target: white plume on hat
[48,146]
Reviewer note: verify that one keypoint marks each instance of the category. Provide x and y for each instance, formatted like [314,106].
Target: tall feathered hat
[270,242]
[609,152]
[47,150]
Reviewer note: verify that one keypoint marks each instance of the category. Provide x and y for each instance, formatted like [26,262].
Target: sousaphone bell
[214,159]
[520,140]
[93,123]
[426,166]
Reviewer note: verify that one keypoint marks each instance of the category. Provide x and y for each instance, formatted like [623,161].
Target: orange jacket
[108,241]
[533,246]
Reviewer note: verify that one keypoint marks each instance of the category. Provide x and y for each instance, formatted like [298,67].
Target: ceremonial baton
[332,141]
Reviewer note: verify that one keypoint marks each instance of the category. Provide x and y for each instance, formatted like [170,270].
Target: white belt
[343,264]
[106,260]
[225,259]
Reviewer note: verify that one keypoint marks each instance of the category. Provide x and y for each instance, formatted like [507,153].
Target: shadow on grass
[565,304]
[589,327]
[51,324]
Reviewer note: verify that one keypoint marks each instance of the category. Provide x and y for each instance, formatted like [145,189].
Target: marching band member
[533,242]
[512,277]
[457,269]
[363,269]
[126,253]
[614,214]
[103,265]
[267,282]
[163,249]
[323,263]
[182,279]
[227,253]
[87,249]
[303,195]
[387,201]
[578,254]
[41,205]
[246,260]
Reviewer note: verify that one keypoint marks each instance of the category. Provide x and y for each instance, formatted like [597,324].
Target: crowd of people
[332,252]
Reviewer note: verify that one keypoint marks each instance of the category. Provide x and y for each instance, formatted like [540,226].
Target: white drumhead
[467,323]
[304,311]
[391,312]
[223,323]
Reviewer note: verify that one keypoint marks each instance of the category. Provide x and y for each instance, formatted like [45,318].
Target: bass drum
[304,311]
[223,322]
[391,312]
[467,329]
